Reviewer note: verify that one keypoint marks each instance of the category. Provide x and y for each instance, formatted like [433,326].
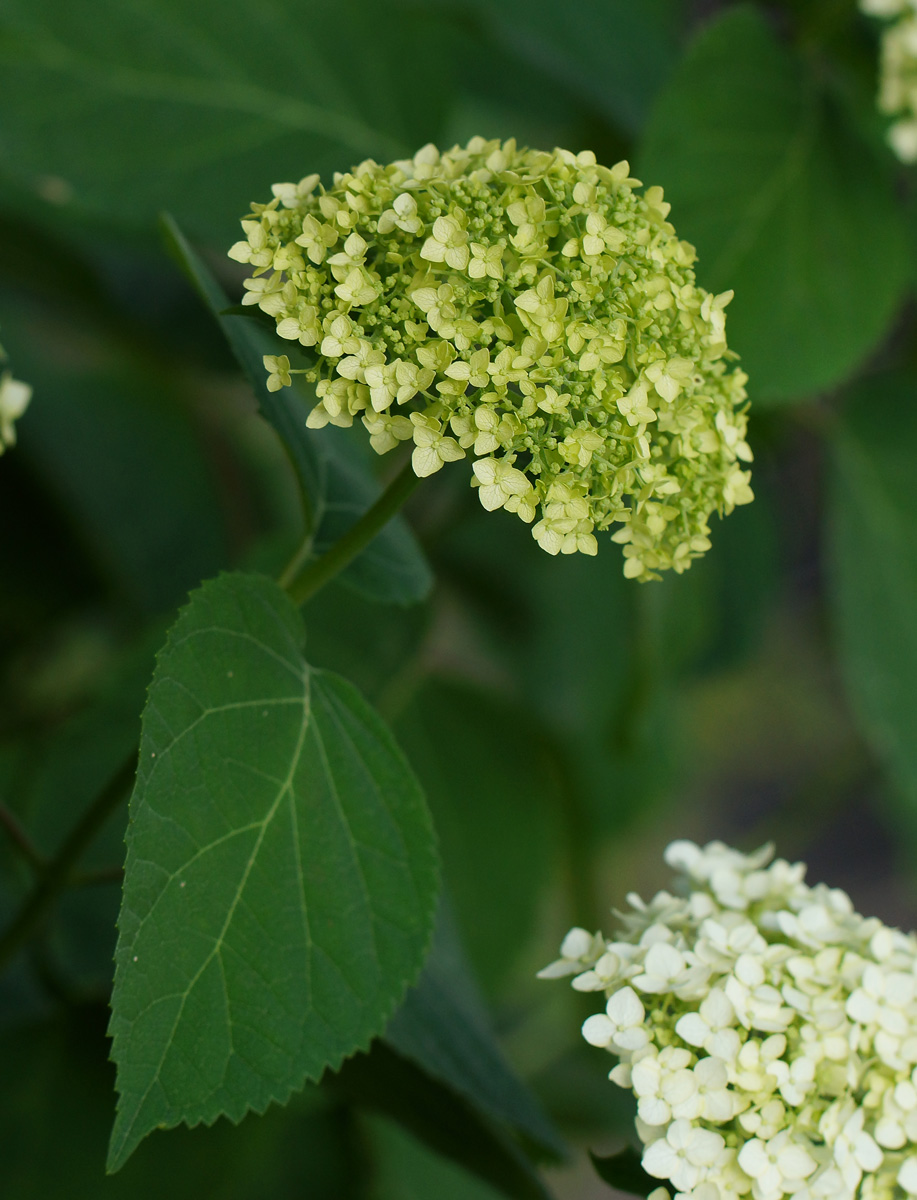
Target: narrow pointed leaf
[281,872]
[249,342]
[392,569]
[386,1082]
[442,1026]
[335,490]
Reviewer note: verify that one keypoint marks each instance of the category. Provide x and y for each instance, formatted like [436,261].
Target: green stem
[628,731]
[297,562]
[56,873]
[18,835]
[356,539]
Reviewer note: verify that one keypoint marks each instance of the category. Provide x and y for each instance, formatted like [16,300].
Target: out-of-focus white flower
[14,400]
[767,1031]
[898,72]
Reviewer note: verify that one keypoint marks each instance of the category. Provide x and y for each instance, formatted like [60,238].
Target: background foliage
[562,724]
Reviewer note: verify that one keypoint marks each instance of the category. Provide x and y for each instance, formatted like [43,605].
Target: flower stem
[56,873]
[297,562]
[18,835]
[356,539]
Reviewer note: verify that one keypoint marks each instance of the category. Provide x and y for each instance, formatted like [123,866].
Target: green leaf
[443,1027]
[612,53]
[873,544]
[376,648]
[785,204]
[134,108]
[113,442]
[497,819]
[383,1081]
[392,569]
[249,342]
[335,490]
[404,1169]
[576,621]
[625,1172]
[281,872]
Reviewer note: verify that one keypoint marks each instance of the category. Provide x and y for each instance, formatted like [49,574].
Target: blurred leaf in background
[157,106]
[785,203]
[873,528]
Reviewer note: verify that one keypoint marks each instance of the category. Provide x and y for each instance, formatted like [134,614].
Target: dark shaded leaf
[116,447]
[785,203]
[497,819]
[55,1115]
[624,1172]
[873,528]
[612,53]
[403,1168]
[443,1027]
[385,1082]
[137,108]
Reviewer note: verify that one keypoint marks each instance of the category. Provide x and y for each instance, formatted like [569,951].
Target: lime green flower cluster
[14,399]
[531,308]
[767,1031]
[898,72]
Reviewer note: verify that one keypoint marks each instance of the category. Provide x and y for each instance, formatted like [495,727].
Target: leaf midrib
[287,786]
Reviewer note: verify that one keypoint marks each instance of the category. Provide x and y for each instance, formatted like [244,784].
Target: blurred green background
[565,723]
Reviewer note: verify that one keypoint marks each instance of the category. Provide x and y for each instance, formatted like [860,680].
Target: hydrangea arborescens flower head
[898,72]
[14,400]
[531,308]
[767,1031]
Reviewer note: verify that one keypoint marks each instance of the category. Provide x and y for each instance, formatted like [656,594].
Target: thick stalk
[356,539]
[57,872]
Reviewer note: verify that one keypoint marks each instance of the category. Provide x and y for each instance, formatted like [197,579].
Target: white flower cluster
[767,1031]
[533,310]
[14,399]
[898,72]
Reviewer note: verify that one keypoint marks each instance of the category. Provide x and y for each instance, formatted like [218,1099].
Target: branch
[55,874]
[18,835]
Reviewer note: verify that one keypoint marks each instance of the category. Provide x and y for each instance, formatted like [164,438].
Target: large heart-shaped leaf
[785,203]
[281,871]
